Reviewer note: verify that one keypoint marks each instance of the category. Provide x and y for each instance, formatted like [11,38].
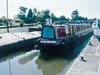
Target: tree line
[34,16]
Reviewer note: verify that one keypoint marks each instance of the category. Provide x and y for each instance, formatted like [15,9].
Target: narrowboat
[60,37]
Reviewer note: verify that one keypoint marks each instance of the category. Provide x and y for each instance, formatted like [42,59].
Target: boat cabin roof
[57,25]
[66,25]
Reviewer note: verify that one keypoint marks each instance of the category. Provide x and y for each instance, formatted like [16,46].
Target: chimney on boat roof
[49,21]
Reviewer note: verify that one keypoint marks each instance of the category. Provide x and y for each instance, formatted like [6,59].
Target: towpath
[12,41]
[88,62]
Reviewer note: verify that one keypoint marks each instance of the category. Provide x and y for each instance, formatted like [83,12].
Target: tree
[23,9]
[4,20]
[40,19]
[62,18]
[0,21]
[29,16]
[41,16]
[35,12]
[75,15]
[22,13]
[34,15]
[46,14]
[54,18]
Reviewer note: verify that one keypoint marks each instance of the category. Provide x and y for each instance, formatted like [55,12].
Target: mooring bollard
[82,59]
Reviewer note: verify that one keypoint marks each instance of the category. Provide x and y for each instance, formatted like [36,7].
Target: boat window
[61,32]
[78,28]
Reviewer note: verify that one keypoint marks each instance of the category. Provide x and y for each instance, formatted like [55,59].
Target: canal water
[33,63]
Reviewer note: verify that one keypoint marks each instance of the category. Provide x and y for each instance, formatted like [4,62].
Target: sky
[86,8]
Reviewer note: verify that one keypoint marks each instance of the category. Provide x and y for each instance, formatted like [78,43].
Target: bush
[21,24]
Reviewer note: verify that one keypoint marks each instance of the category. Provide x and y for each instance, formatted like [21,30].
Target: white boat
[96,28]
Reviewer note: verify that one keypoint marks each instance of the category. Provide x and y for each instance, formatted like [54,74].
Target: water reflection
[36,63]
[11,56]
[52,67]
[50,64]
[25,59]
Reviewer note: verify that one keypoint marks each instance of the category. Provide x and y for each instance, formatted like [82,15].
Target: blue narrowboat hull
[66,44]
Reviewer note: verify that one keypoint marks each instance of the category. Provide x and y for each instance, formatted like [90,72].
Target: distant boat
[96,28]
